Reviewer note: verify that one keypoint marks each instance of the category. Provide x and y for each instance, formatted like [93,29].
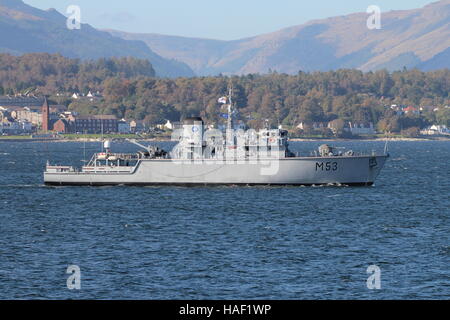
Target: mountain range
[408,38]
[25,29]
[418,38]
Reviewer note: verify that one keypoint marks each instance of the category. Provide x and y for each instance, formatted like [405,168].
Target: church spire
[45,116]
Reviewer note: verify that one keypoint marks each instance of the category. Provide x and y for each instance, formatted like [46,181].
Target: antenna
[230,139]
[230,105]
[102,136]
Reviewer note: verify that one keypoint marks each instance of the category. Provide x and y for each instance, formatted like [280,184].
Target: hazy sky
[217,19]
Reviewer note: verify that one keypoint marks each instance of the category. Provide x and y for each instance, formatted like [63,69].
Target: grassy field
[15,137]
[116,136]
[98,136]
[86,136]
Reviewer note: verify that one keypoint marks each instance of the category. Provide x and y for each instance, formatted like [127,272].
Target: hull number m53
[326,166]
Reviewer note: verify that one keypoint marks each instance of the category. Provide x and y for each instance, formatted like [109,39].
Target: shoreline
[373,139]
[442,138]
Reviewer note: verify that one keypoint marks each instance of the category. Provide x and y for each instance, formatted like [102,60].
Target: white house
[168,125]
[436,130]
[360,128]
[312,125]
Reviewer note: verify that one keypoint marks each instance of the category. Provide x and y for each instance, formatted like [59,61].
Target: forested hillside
[129,90]
[50,74]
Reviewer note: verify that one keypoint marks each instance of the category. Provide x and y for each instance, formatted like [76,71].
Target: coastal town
[32,115]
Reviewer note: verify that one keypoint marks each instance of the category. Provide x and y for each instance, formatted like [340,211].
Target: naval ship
[205,156]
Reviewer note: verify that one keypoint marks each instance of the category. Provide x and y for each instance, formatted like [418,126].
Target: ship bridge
[196,143]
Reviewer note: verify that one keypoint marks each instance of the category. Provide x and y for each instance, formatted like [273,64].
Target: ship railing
[350,153]
[121,156]
[94,169]
[59,169]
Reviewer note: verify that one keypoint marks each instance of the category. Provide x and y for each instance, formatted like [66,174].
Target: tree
[130,90]
[443,116]
[412,132]
[389,125]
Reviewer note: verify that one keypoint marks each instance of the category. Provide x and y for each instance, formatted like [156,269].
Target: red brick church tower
[45,116]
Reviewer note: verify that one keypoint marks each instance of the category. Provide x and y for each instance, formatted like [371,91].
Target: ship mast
[230,136]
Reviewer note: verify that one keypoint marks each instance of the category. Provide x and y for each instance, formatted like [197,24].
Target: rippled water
[226,242]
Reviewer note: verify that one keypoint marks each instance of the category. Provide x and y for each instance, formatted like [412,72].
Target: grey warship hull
[351,170]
